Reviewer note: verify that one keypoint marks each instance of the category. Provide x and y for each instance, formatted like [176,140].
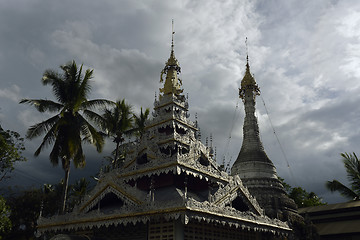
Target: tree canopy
[69,127]
[305,199]
[24,207]
[11,147]
[139,122]
[301,197]
[117,122]
[5,223]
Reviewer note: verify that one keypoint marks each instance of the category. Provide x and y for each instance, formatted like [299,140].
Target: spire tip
[172,35]
[247,52]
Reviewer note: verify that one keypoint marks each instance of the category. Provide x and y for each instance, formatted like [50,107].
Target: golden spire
[172,69]
[248,81]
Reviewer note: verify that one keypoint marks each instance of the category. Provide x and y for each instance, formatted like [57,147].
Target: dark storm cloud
[304,58]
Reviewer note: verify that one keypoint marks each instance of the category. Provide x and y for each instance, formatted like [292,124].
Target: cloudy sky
[305,56]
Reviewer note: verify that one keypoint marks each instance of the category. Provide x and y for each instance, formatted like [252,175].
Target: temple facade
[170,187]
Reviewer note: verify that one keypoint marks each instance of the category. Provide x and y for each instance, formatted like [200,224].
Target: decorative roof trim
[178,164]
[132,198]
[111,217]
[169,103]
[172,119]
[173,140]
[239,219]
[254,224]
[209,175]
[147,170]
[225,196]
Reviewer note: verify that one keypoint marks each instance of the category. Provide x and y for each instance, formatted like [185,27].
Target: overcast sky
[305,56]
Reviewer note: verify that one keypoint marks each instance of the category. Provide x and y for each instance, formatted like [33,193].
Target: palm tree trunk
[116,154]
[65,189]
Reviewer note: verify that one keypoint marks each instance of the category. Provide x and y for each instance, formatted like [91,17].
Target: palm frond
[95,118]
[126,115]
[79,73]
[91,135]
[85,84]
[342,189]
[39,128]
[139,121]
[146,113]
[57,83]
[97,138]
[96,103]
[79,159]
[51,77]
[48,139]
[117,120]
[82,87]
[352,167]
[109,122]
[43,105]
[55,153]
[70,71]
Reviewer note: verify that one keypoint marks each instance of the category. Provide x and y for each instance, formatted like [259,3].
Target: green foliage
[78,190]
[139,122]
[51,198]
[286,186]
[301,197]
[352,167]
[5,223]
[25,207]
[117,122]
[69,127]
[304,230]
[305,199]
[11,147]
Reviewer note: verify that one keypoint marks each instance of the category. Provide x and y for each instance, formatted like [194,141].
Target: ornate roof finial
[248,81]
[171,70]
[247,54]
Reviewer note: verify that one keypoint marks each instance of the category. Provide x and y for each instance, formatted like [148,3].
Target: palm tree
[117,122]
[139,122]
[69,127]
[79,190]
[352,166]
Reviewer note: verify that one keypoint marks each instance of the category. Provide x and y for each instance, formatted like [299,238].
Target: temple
[170,187]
